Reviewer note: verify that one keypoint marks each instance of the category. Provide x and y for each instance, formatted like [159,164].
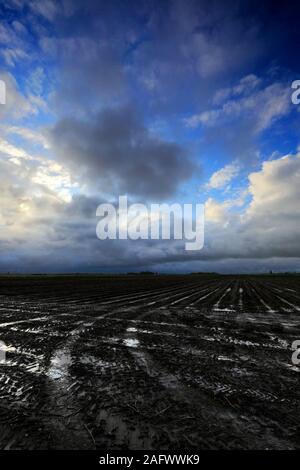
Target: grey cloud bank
[116,153]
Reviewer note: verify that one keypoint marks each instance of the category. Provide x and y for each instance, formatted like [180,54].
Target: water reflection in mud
[59,364]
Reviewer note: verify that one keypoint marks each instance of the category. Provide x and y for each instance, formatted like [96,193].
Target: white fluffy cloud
[275,189]
[222,177]
[268,226]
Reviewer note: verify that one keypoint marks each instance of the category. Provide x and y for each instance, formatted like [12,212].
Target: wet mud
[149,362]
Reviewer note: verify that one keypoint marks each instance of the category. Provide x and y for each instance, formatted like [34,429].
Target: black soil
[149,362]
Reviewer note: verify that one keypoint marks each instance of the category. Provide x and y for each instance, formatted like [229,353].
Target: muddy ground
[149,362]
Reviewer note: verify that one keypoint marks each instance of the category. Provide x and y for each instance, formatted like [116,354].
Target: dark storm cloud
[116,152]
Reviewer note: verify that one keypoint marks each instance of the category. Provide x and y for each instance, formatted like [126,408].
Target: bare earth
[149,362]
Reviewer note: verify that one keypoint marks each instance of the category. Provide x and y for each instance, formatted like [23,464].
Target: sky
[174,101]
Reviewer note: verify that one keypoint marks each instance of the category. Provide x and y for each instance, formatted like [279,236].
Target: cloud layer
[116,153]
[180,101]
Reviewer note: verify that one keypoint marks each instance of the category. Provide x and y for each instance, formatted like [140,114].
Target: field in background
[149,362]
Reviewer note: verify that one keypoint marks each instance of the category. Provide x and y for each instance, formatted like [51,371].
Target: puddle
[131,329]
[28,330]
[166,379]
[131,342]
[291,367]
[225,358]
[2,325]
[149,332]
[34,368]
[59,364]
[217,309]
[6,348]
[8,363]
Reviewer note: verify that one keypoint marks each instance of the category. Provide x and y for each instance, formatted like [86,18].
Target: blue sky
[174,101]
